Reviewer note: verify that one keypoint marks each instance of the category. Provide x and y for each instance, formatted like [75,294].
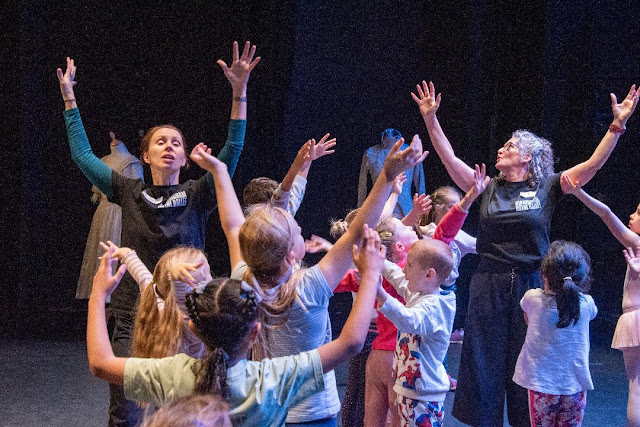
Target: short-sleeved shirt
[156,219]
[515,221]
[308,327]
[259,392]
[554,360]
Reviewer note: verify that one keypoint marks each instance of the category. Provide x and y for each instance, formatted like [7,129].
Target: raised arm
[428,103]
[452,222]
[625,236]
[584,171]
[238,76]
[91,166]
[231,216]
[396,191]
[130,259]
[102,362]
[337,261]
[369,261]
[421,206]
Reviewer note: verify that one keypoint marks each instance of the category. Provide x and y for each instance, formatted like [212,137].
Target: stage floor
[47,383]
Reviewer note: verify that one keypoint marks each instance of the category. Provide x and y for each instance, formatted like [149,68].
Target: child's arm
[414,320]
[338,260]
[317,244]
[288,196]
[421,206]
[394,274]
[135,266]
[396,191]
[451,223]
[632,258]
[369,261]
[102,362]
[586,170]
[231,216]
[625,236]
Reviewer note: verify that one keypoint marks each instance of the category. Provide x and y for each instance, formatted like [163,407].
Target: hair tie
[567,278]
[251,292]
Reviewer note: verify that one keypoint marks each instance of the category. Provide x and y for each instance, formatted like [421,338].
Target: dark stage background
[340,67]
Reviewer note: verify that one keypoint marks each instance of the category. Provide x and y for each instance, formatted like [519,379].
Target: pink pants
[379,396]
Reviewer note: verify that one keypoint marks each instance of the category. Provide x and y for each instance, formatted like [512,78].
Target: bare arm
[396,191]
[421,206]
[231,216]
[337,261]
[102,362]
[428,102]
[369,261]
[585,171]
[625,236]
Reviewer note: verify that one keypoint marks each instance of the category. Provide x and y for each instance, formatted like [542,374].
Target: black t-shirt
[156,219]
[515,221]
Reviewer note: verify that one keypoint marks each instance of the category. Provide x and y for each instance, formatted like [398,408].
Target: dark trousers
[353,403]
[122,412]
[493,337]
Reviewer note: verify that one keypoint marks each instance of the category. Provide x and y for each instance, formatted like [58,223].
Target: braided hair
[567,268]
[223,313]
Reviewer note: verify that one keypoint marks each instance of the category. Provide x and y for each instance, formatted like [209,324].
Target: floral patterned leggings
[420,413]
[556,410]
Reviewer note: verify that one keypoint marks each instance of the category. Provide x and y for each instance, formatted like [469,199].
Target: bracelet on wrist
[240,99]
[617,129]
[69,100]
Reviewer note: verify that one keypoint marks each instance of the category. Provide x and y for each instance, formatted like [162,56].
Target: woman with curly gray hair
[513,236]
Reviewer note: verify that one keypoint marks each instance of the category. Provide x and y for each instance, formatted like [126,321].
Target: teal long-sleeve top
[100,174]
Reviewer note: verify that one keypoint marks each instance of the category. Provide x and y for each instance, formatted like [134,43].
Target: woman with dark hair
[512,237]
[165,213]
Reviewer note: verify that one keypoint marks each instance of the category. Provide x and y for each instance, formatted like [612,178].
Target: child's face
[634,221]
[406,236]
[416,273]
[443,208]
[298,241]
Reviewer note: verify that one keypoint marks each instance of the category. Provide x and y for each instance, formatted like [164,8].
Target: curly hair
[541,164]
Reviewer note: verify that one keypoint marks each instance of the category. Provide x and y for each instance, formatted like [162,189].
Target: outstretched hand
[632,258]
[426,99]
[104,282]
[422,203]
[241,66]
[568,187]
[622,111]
[399,161]
[398,182]
[118,253]
[67,80]
[317,244]
[201,155]
[369,259]
[181,271]
[480,179]
[322,148]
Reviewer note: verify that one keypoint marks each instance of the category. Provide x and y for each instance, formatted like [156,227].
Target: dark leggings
[122,412]
[493,337]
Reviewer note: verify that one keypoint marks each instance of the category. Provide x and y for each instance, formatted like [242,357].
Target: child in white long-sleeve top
[425,322]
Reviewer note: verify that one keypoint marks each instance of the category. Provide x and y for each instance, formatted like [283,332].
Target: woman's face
[166,150]
[509,156]
[634,221]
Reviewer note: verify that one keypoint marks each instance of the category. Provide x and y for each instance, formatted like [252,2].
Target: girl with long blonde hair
[160,326]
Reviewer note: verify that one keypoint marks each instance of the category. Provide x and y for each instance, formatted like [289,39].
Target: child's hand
[399,161]
[104,282]
[633,259]
[568,187]
[317,244]
[201,155]
[398,182]
[322,148]
[182,272]
[118,253]
[421,203]
[427,100]
[480,179]
[369,259]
